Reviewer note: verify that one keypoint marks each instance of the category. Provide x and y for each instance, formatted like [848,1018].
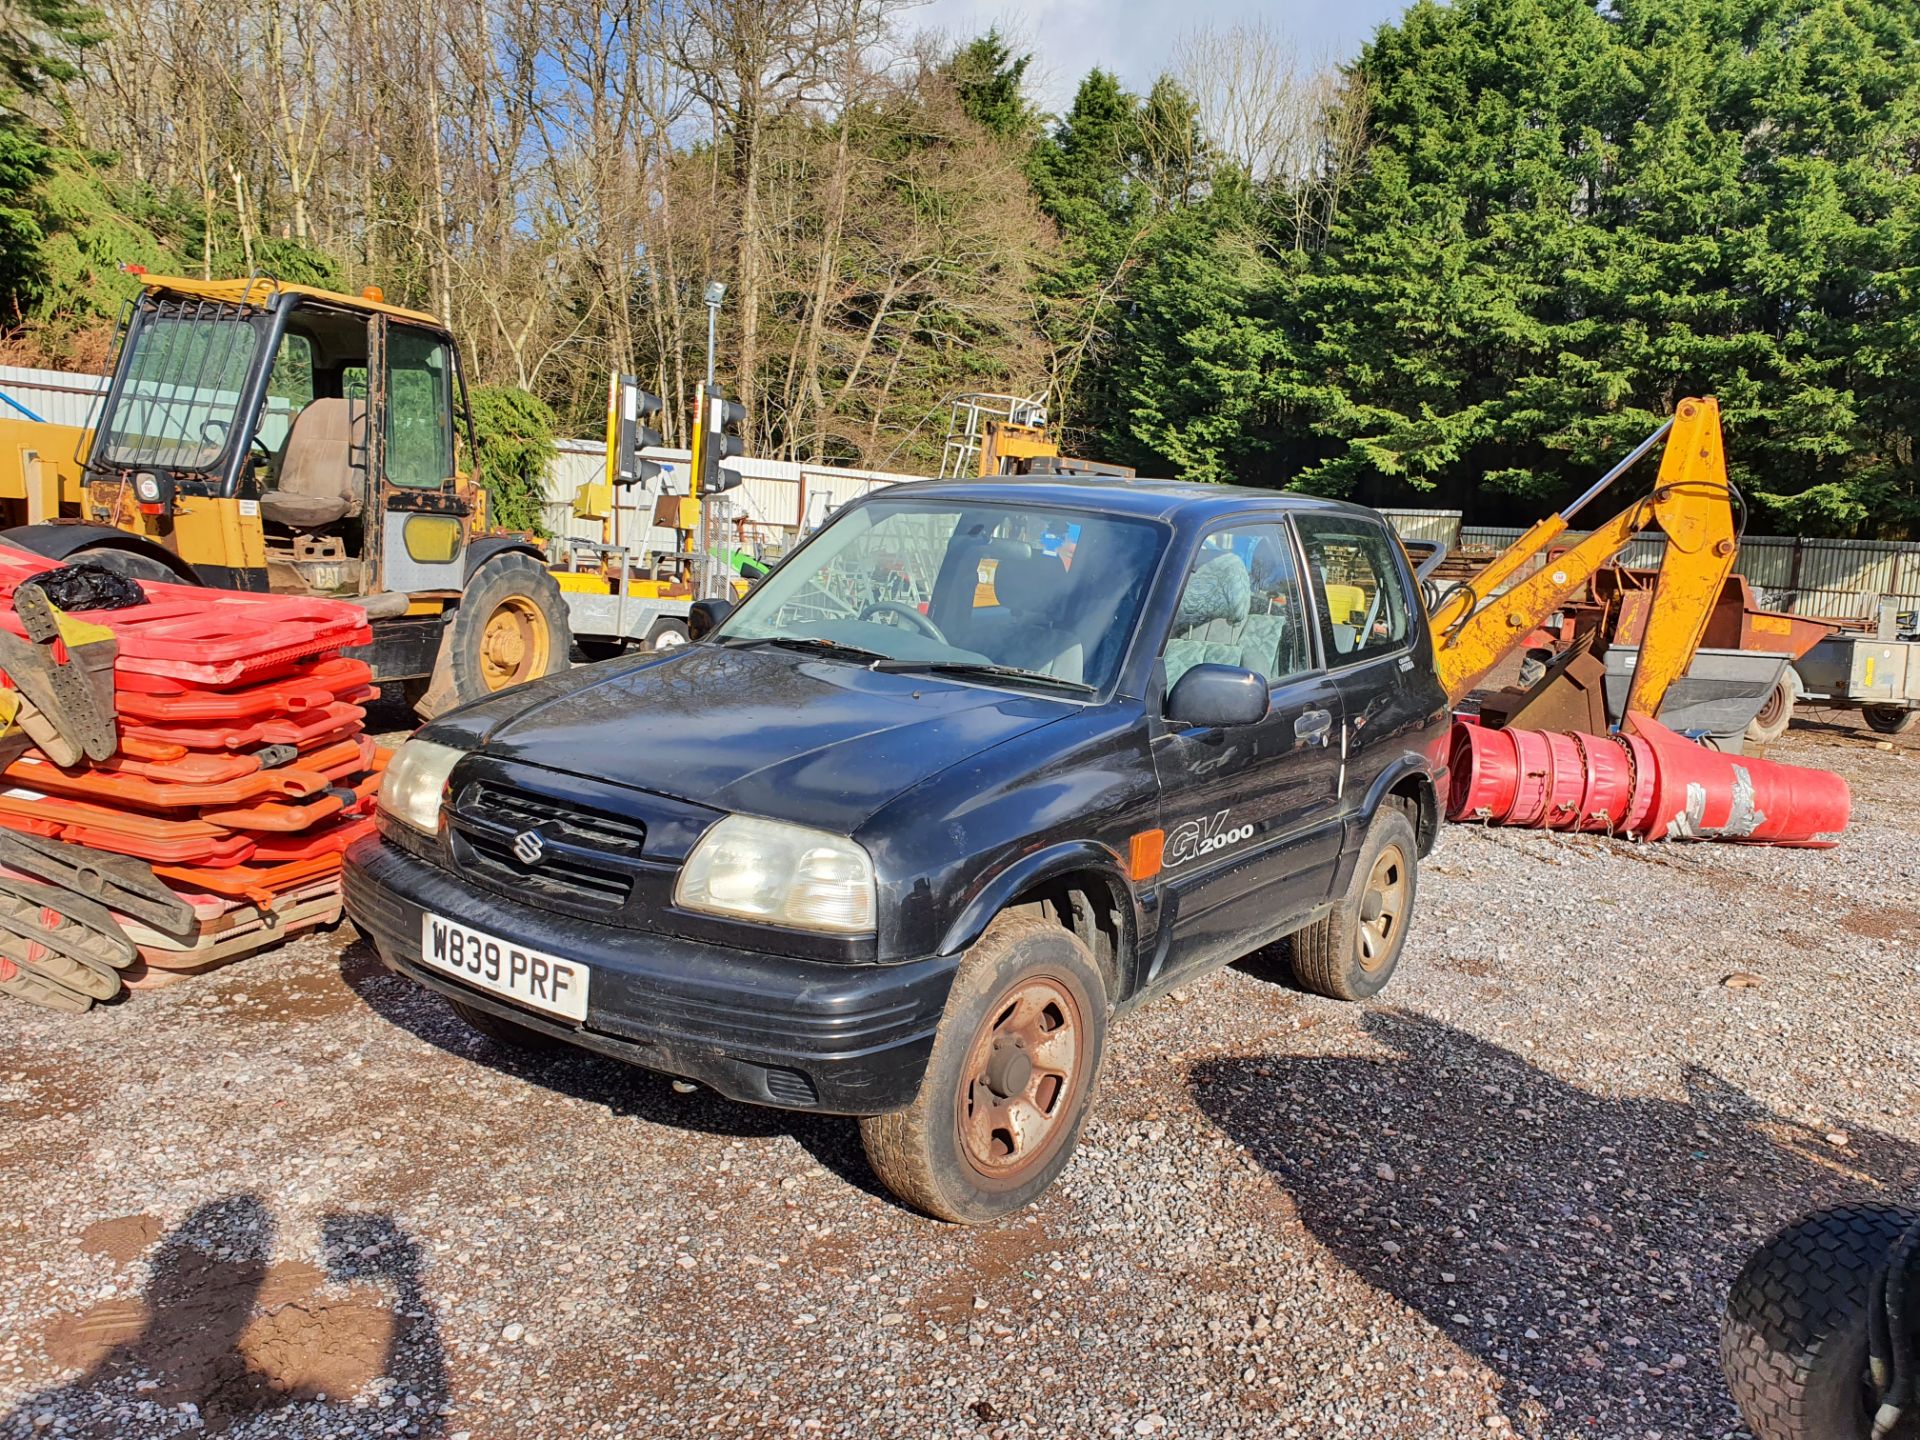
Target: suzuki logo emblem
[529,847]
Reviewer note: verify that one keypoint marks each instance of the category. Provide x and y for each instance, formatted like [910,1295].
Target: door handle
[1313,727]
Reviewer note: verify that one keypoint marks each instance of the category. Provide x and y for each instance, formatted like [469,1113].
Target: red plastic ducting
[1650,783]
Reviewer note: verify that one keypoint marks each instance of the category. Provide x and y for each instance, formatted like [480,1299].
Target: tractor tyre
[510,627]
[1776,714]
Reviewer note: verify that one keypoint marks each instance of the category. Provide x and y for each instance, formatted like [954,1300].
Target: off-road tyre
[1889,719]
[1776,714]
[1793,1342]
[1328,957]
[919,1153]
[510,627]
[502,1031]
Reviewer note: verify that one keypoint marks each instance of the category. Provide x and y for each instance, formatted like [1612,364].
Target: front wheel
[1007,1086]
[502,1031]
[511,627]
[1794,1339]
[1353,952]
[1889,719]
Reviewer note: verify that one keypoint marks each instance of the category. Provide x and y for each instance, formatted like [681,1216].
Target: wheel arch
[493,546]
[60,542]
[1081,886]
[1409,780]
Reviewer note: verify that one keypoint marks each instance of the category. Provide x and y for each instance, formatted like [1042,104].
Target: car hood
[766,731]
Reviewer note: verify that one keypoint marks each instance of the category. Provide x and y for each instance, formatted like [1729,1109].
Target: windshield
[184,378]
[1004,593]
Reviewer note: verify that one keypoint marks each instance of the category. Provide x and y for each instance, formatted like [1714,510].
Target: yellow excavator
[1482,620]
[257,435]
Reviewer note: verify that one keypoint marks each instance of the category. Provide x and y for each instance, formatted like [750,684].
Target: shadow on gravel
[221,1339]
[627,1090]
[1577,1243]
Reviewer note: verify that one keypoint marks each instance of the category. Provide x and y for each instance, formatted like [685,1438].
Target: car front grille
[586,862]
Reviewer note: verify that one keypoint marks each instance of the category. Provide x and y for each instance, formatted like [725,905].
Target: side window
[1357,589]
[289,390]
[1241,605]
[419,410]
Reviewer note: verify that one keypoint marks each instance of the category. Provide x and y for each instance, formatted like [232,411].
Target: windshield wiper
[810,643]
[986,670]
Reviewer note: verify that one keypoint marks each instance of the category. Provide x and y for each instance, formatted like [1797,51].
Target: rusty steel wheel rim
[1018,1085]
[513,647]
[1383,908]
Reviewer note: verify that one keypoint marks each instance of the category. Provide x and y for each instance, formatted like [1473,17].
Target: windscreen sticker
[1192,839]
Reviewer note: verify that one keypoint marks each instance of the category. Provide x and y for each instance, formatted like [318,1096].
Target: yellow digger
[257,435]
[1643,656]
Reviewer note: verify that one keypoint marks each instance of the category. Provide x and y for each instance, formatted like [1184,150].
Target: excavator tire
[511,627]
[1794,1339]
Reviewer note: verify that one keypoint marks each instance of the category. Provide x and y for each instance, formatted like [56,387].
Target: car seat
[1265,635]
[1043,633]
[1213,607]
[316,480]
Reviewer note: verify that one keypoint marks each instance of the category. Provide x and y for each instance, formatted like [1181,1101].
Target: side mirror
[1214,695]
[704,615]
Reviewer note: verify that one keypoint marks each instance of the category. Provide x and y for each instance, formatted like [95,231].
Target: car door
[1250,813]
[422,521]
[1363,603]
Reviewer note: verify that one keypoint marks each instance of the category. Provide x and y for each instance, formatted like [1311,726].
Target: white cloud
[1135,38]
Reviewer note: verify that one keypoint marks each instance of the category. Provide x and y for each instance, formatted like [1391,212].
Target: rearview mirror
[704,615]
[1218,695]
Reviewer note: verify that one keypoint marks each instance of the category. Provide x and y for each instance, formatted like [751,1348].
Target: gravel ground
[298,1198]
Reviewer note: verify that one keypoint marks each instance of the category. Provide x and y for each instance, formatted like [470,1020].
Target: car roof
[1169,500]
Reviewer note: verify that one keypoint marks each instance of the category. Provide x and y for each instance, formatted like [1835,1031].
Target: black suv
[976,766]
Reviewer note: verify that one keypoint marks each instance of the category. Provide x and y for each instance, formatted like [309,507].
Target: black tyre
[1794,1340]
[1776,714]
[1889,719]
[1353,952]
[128,563]
[501,1031]
[1014,1065]
[510,627]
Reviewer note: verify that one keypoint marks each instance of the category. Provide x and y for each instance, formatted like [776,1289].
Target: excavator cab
[263,436]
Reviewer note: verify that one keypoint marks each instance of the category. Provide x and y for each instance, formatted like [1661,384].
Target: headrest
[1029,584]
[1271,567]
[1218,590]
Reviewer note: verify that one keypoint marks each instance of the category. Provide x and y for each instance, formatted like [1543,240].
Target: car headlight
[416,783]
[783,874]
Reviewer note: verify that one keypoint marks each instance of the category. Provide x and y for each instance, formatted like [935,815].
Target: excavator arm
[1474,629]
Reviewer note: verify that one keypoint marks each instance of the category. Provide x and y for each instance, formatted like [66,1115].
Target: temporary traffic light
[719,420]
[630,412]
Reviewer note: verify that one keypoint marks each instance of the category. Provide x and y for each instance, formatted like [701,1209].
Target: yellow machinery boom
[1474,629]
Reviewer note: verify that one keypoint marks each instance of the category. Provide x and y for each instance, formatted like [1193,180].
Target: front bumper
[764,1029]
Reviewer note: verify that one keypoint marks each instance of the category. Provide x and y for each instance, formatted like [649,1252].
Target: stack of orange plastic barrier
[242,772]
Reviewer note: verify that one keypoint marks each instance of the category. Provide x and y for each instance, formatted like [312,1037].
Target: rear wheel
[510,627]
[502,1031]
[1352,953]
[1794,1340]
[1889,719]
[1776,714]
[1013,1068]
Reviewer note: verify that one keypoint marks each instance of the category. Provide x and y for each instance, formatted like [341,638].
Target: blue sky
[1135,37]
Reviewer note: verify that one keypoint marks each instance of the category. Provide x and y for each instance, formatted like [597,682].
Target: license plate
[529,977]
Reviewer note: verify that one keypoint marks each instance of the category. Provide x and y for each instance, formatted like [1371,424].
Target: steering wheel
[906,612]
[219,429]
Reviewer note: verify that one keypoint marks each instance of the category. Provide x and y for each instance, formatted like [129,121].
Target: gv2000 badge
[529,847]
[1191,839]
